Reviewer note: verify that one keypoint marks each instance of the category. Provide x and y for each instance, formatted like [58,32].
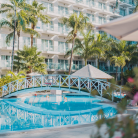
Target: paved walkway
[83,131]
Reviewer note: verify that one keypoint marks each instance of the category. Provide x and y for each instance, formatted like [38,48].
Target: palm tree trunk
[32,26]
[18,40]
[18,48]
[116,74]
[121,76]
[73,42]
[85,62]
[13,42]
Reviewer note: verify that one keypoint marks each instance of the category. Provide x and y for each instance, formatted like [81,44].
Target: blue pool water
[50,111]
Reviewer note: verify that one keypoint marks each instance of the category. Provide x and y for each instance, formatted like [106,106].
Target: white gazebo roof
[92,72]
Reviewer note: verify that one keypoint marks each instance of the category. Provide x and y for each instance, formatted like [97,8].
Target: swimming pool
[46,111]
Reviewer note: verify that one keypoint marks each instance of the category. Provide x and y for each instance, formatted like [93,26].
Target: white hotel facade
[52,40]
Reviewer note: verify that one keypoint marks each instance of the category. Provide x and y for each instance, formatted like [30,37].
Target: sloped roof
[92,72]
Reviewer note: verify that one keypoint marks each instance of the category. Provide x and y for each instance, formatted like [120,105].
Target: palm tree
[103,43]
[120,55]
[85,47]
[76,24]
[119,62]
[136,6]
[36,14]
[30,60]
[22,20]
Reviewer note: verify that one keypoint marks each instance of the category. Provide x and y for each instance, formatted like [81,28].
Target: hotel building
[52,40]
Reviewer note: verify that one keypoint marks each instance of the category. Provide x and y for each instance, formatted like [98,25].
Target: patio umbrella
[125,28]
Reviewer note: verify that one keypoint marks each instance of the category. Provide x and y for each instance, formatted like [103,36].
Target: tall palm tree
[120,55]
[76,24]
[85,47]
[21,25]
[35,14]
[103,43]
[30,60]
[119,62]
[15,6]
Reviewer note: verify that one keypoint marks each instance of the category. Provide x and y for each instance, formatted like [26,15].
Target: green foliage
[35,14]
[122,54]
[30,60]
[10,76]
[86,47]
[22,20]
[125,124]
[77,24]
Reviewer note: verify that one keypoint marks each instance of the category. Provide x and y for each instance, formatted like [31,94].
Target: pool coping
[38,130]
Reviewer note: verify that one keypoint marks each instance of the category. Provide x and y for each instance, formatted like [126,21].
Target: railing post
[24,83]
[59,80]
[69,81]
[9,87]
[2,91]
[33,81]
[101,90]
[41,81]
[79,83]
[17,84]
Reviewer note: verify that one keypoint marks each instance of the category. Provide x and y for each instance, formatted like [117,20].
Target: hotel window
[100,20]
[49,6]
[122,12]
[77,64]
[63,28]
[77,12]
[104,6]
[63,10]
[90,2]
[48,61]
[100,5]
[46,45]
[5,61]
[91,63]
[48,26]
[63,64]
[62,47]
[91,17]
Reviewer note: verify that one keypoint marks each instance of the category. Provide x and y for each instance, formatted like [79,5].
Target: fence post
[69,81]
[79,83]
[17,85]
[33,81]
[59,80]
[101,90]
[41,81]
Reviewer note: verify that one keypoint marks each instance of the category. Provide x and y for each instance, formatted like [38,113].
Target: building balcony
[52,49]
[5,64]
[9,46]
[62,67]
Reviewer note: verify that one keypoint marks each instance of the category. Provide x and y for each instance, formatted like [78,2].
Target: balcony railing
[10,45]
[5,63]
[59,66]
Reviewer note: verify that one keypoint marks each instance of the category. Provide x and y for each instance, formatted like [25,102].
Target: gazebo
[90,71]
